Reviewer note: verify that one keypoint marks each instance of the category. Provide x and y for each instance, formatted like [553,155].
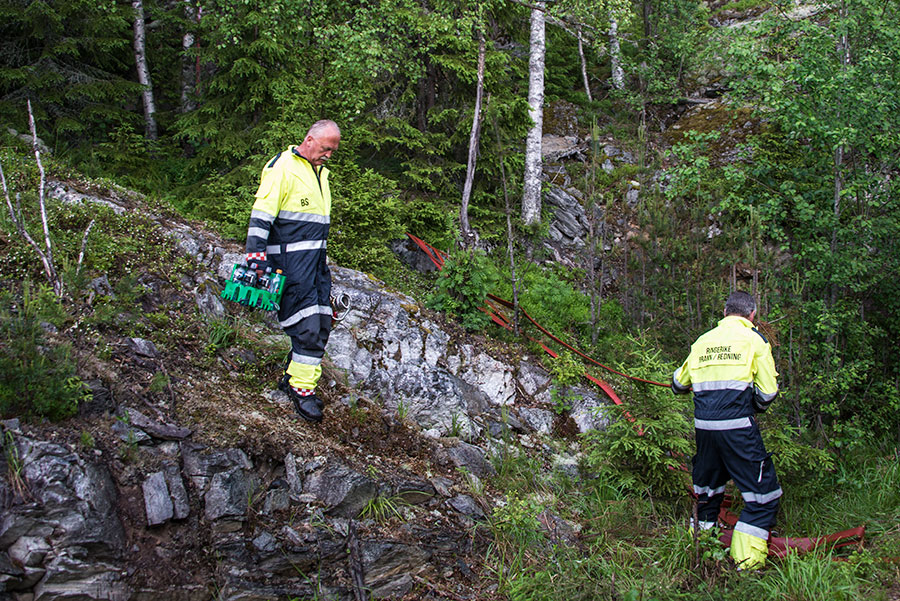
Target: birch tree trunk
[143,71]
[188,78]
[531,193]
[615,54]
[584,75]
[466,234]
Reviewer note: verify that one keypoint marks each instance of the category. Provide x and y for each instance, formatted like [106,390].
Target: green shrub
[516,521]
[649,442]
[462,287]
[554,303]
[567,370]
[364,220]
[37,376]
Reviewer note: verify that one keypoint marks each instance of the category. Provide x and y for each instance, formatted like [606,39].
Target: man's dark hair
[740,303]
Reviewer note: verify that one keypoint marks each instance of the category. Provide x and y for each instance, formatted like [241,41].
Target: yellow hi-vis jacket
[732,373]
[289,227]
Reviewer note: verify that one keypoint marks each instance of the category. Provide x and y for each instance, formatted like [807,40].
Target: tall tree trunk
[143,70]
[531,192]
[615,54]
[188,77]
[584,74]
[647,13]
[843,52]
[467,237]
[510,246]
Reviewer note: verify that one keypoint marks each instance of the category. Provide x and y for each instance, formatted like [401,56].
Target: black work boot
[285,386]
[308,407]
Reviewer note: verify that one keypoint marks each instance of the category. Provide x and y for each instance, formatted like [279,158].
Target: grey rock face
[471,458]
[227,495]
[201,463]
[29,550]
[157,502]
[208,299]
[389,567]
[65,194]
[143,347]
[343,491]
[588,411]
[415,492]
[467,506]
[154,428]
[539,420]
[412,256]
[70,517]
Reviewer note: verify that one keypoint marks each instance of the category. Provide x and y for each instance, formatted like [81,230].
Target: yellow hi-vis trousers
[748,552]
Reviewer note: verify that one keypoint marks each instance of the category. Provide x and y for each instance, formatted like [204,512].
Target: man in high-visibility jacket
[289,230]
[732,373]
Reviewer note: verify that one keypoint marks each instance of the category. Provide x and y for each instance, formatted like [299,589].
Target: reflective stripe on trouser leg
[744,455]
[709,476]
[748,551]
[308,339]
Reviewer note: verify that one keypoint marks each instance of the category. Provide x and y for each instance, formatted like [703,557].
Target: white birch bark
[531,192]
[187,62]
[465,229]
[584,74]
[45,254]
[615,54]
[143,70]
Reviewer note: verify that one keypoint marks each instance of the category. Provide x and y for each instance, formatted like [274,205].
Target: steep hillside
[186,475]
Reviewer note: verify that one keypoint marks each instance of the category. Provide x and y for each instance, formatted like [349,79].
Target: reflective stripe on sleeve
[261,215]
[765,397]
[296,246]
[307,217]
[678,386]
[722,424]
[258,232]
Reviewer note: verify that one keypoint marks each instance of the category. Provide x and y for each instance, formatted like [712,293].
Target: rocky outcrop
[391,350]
[166,516]
[61,534]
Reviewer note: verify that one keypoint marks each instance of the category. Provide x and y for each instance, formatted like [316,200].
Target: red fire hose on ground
[778,546]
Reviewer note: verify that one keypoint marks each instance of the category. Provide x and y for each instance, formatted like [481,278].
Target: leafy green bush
[516,521]
[462,287]
[38,377]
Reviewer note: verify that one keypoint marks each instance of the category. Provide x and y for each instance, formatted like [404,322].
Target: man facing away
[732,373]
[288,230]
